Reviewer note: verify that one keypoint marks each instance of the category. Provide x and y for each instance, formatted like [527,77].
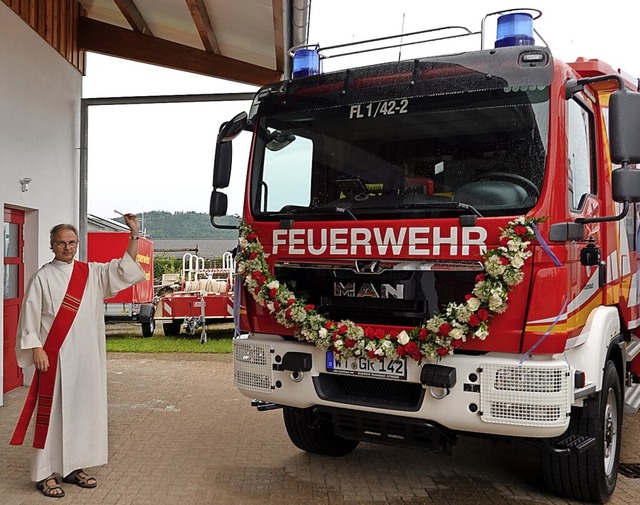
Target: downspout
[300,12]
[84,165]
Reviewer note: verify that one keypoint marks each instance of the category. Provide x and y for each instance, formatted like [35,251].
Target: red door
[13,281]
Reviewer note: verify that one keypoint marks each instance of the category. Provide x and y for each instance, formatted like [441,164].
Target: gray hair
[59,227]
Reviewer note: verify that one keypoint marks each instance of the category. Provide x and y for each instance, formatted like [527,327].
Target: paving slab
[181,433]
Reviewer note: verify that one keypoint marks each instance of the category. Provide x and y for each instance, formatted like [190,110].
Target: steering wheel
[518,179]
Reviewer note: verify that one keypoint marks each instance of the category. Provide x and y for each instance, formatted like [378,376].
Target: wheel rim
[610,432]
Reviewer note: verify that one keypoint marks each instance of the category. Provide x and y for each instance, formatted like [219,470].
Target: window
[579,154]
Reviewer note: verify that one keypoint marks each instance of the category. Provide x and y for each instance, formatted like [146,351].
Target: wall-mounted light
[25,183]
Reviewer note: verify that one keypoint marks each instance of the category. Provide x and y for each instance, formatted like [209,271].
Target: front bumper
[493,394]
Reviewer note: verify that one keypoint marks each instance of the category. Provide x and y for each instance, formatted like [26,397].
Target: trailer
[200,297]
[135,303]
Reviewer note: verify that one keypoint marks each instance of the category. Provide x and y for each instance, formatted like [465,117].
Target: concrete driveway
[180,433]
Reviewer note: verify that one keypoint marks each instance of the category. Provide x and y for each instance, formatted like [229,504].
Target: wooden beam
[278,33]
[201,18]
[133,16]
[115,41]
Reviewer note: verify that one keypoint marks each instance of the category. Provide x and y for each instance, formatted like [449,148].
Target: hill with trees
[163,224]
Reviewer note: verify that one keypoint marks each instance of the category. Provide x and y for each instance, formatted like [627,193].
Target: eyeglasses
[71,244]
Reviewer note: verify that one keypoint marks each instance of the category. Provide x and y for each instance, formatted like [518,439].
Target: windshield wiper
[439,205]
[298,209]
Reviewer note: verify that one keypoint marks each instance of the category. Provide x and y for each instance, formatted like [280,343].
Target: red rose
[442,351]
[350,343]
[309,307]
[504,261]
[422,335]
[445,329]
[343,329]
[372,355]
[276,305]
[273,292]
[520,230]
[256,290]
[290,302]
[479,278]
[504,241]
[456,343]
[252,236]
[262,279]
[468,297]
[253,255]
[287,313]
[255,274]
[400,350]
[328,325]
[411,348]
[393,334]
[483,314]
[380,334]
[417,356]
[474,320]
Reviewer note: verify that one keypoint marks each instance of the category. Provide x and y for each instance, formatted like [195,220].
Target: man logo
[368,290]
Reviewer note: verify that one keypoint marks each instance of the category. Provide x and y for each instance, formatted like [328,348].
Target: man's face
[64,245]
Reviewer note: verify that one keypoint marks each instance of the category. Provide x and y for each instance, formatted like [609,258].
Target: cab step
[632,398]
[633,348]
[575,444]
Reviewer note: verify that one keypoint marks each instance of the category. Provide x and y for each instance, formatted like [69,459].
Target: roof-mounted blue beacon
[515,29]
[306,62]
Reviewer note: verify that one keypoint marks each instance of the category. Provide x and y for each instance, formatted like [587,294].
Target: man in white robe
[77,435]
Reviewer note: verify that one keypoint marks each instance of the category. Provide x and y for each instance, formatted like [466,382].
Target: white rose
[517,261]
[273,284]
[473,303]
[456,333]
[322,333]
[403,338]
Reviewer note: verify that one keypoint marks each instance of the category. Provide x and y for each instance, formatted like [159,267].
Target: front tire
[313,433]
[591,475]
[148,328]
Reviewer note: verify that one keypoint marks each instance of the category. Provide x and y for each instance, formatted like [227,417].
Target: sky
[160,157]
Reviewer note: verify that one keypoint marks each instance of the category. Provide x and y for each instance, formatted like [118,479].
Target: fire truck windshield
[431,156]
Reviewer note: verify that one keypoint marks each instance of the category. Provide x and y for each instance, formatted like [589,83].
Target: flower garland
[436,337]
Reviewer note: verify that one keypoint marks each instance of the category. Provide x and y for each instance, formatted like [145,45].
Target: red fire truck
[135,303]
[445,246]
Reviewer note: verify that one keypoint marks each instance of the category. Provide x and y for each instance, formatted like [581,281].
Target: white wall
[39,136]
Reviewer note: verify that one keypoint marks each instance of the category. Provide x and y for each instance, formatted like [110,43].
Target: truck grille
[396,297]
[384,394]
[525,395]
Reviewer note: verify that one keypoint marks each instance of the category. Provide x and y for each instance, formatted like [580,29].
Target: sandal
[54,491]
[80,478]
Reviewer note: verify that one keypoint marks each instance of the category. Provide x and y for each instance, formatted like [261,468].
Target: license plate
[384,368]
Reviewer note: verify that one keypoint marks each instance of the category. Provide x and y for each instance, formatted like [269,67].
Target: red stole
[42,386]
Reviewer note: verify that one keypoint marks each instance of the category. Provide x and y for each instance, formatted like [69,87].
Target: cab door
[13,282]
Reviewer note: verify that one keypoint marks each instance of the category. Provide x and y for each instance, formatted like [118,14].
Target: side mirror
[222,165]
[217,204]
[626,184]
[222,161]
[624,127]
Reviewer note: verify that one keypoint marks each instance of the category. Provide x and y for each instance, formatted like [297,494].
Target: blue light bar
[515,29]
[306,62]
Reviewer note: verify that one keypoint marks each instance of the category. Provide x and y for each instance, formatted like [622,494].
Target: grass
[126,340]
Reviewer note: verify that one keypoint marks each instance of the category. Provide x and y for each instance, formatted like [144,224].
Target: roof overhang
[239,40]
